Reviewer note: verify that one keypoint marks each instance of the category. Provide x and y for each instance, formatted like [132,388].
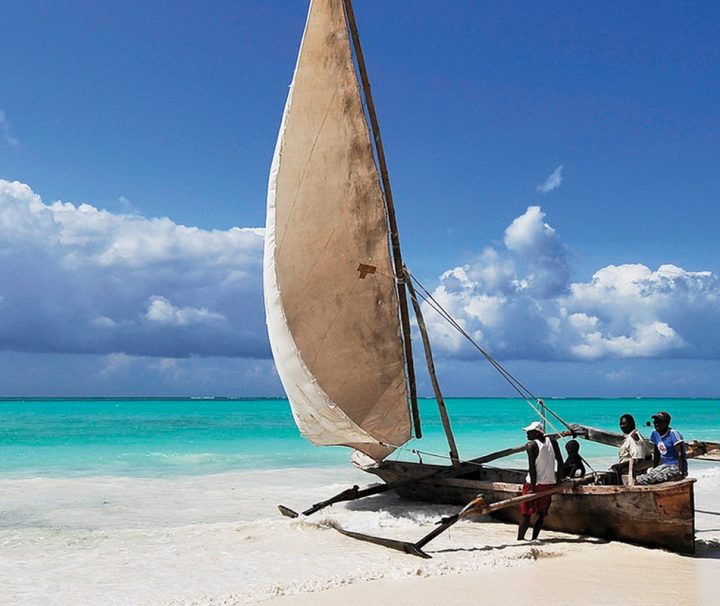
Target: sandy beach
[219,540]
[559,569]
[563,573]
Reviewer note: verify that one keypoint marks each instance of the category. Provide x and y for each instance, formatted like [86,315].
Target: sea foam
[219,539]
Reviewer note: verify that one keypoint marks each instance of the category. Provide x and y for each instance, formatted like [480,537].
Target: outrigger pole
[390,208]
[466,467]
[476,507]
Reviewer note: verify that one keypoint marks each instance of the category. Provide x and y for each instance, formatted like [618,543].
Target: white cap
[534,426]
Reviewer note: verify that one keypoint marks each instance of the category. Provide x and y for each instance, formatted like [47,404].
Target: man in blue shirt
[669,460]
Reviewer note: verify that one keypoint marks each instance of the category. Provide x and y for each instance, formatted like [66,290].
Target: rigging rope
[523,391]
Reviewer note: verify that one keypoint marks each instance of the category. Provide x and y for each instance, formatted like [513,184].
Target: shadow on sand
[706,549]
[530,544]
[398,507]
[401,508]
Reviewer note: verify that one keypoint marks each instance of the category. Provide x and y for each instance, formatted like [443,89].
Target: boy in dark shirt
[573,466]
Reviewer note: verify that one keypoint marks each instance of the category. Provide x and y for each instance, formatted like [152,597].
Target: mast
[394,237]
[431,371]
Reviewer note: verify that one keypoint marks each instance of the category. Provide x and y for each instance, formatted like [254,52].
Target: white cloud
[165,304]
[125,206]
[74,278]
[160,310]
[538,253]
[552,182]
[646,340]
[519,303]
[5,131]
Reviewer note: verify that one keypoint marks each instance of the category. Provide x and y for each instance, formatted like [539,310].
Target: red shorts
[540,505]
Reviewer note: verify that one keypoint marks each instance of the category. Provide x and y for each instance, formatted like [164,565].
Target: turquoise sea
[158,437]
[174,501]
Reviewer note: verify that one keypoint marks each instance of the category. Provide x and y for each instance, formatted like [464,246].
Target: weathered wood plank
[659,516]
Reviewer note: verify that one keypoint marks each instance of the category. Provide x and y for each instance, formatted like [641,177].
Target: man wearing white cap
[545,468]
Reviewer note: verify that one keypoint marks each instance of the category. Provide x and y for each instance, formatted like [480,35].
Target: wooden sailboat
[337,313]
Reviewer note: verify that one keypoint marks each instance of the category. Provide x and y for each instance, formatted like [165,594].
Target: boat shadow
[531,544]
[401,508]
[706,549]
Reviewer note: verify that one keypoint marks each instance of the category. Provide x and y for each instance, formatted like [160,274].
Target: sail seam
[307,165]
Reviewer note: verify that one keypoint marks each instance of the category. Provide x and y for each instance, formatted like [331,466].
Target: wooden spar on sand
[476,507]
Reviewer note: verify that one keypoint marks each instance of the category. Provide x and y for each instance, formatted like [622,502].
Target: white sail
[330,294]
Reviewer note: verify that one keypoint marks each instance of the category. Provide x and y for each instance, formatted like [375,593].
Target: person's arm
[681,458]
[656,456]
[635,445]
[532,453]
[558,458]
[682,461]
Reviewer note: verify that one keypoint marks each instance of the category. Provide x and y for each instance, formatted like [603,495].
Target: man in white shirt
[634,447]
[545,469]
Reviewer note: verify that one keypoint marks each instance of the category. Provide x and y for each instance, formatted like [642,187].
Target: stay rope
[531,399]
[521,389]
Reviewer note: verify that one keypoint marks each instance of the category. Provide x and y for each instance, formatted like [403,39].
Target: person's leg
[616,472]
[651,477]
[668,473]
[538,525]
[522,528]
[659,474]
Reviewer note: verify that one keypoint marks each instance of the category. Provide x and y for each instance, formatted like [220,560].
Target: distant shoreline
[284,398]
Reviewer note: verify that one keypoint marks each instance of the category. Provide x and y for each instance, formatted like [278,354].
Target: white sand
[561,570]
[218,540]
[607,574]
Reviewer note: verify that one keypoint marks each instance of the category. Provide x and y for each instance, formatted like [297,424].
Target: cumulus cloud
[76,279]
[160,310]
[5,131]
[518,302]
[537,247]
[552,182]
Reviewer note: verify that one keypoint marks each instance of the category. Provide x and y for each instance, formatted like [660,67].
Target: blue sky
[554,165]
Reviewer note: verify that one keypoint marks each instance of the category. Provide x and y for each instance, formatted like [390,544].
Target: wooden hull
[661,515]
